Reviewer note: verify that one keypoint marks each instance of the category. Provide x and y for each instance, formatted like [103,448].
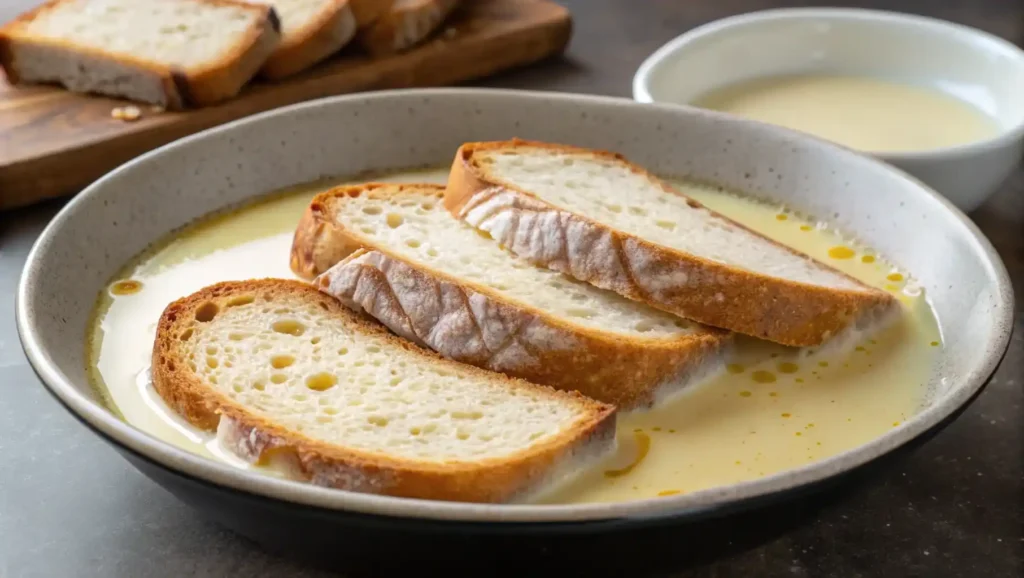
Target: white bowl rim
[104,423]
[1005,137]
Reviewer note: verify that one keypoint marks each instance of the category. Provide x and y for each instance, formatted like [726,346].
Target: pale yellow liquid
[862,113]
[730,429]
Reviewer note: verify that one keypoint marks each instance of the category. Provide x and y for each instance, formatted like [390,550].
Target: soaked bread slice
[172,53]
[396,253]
[285,373]
[597,217]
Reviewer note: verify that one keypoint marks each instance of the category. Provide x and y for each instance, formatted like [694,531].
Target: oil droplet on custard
[126,287]
[867,259]
[735,368]
[762,376]
[787,367]
[664,493]
[781,217]
[894,277]
[806,228]
[745,394]
[841,252]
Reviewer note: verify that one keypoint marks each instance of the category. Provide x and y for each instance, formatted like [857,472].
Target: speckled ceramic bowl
[122,213]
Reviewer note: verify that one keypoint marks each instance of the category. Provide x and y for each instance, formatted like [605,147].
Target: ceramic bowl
[124,212]
[972,65]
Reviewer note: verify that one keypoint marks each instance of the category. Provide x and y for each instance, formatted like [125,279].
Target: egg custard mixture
[867,114]
[774,408]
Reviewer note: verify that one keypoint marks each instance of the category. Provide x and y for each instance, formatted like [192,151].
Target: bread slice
[287,374]
[171,53]
[311,30]
[394,252]
[405,25]
[595,216]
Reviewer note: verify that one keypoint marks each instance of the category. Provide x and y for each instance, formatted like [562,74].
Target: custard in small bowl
[941,101]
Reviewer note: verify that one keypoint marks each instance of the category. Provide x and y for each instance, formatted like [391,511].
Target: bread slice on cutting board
[394,252]
[311,30]
[171,53]
[595,216]
[287,374]
[406,24]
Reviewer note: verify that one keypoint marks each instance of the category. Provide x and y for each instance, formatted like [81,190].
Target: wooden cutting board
[54,142]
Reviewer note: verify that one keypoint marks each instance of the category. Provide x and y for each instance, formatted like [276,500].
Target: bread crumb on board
[126,113]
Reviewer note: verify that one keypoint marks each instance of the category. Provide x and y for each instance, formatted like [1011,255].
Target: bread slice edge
[331,31]
[770,308]
[367,12]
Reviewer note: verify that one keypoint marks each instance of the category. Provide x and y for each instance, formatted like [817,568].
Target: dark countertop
[70,506]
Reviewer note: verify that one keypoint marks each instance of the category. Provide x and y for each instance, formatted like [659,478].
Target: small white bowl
[974,66]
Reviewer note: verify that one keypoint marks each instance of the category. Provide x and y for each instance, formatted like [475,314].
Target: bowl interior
[123,213]
[972,65]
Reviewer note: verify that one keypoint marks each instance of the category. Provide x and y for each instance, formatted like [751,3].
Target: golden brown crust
[7,59]
[486,480]
[330,32]
[770,308]
[368,11]
[404,26]
[629,372]
[226,79]
[318,242]
[182,88]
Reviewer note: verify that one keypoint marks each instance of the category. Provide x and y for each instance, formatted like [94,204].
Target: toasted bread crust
[712,293]
[256,438]
[332,30]
[368,11]
[226,79]
[405,26]
[182,88]
[477,325]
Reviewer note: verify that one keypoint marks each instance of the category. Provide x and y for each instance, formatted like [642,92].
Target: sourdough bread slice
[595,216]
[311,30]
[172,53]
[287,374]
[396,253]
[405,25]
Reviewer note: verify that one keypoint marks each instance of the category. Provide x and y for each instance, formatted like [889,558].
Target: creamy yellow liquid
[863,113]
[775,408]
